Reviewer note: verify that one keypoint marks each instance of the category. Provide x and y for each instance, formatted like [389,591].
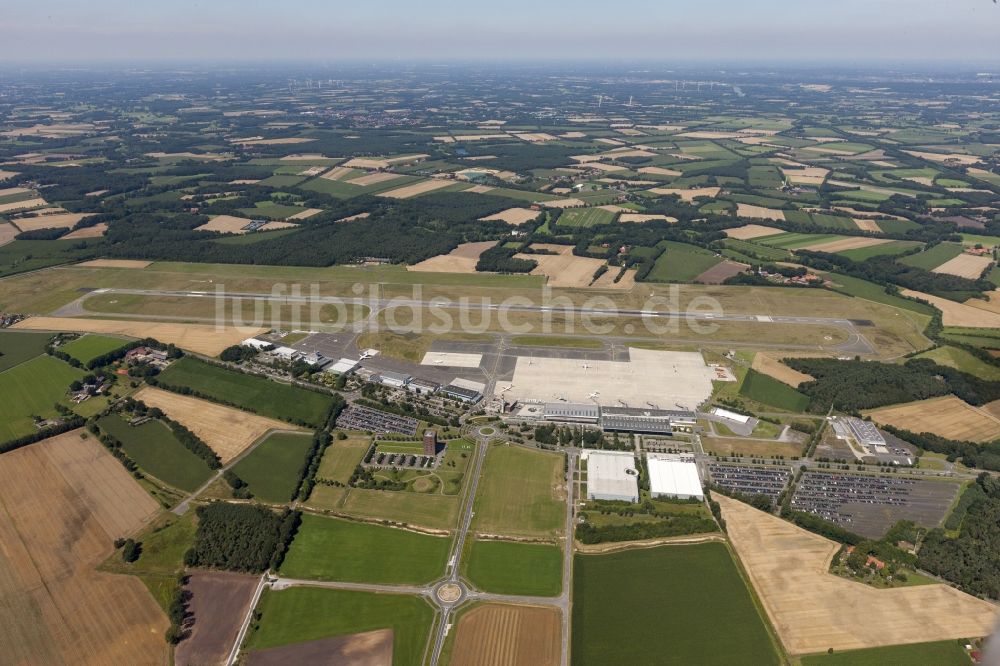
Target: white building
[256,344]
[674,476]
[287,353]
[612,475]
[344,366]
[732,416]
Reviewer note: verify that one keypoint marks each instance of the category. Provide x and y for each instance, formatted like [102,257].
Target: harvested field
[806,176]
[721,272]
[508,635]
[751,231]
[64,501]
[273,142]
[7,233]
[226,224]
[537,137]
[22,205]
[659,171]
[565,269]
[813,610]
[688,195]
[965,265]
[958,314]
[852,243]
[515,216]
[759,212]
[219,602]
[946,158]
[4,175]
[199,338]
[114,263]
[227,430]
[56,221]
[417,189]
[309,212]
[336,173]
[770,364]
[480,189]
[369,648]
[372,178]
[271,226]
[565,203]
[8,191]
[352,218]
[867,225]
[947,416]
[462,259]
[639,217]
[95,231]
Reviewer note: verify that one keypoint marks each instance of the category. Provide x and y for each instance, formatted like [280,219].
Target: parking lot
[357,417]
[870,504]
[750,480]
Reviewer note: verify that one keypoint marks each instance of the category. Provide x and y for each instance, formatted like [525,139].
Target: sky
[792,31]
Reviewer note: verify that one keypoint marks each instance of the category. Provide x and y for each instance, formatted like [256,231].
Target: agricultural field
[433,512]
[511,567]
[301,614]
[941,653]
[30,389]
[681,263]
[155,449]
[342,456]
[64,502]
[88,347]
[255,394]
[584,217]
[16,347]
[699,587]
[333,549]
[219,602]
[507,634]
[946,416]
[273,470]
[798,580]
[522,493]
[769,391]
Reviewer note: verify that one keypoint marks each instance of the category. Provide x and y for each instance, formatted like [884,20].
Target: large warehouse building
[612,475]
[674,476]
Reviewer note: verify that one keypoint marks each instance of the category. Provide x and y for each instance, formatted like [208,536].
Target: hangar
[674,476]
[612,475]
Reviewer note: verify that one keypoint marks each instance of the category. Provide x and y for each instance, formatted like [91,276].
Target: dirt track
[813,610]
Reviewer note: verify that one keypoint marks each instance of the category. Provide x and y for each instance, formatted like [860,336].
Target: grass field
[874,292]
[584,217]
[31,389]
[88,347]
[342,456]
[885,249]
[431,511]
[933,257]
[256,394]
[333,549]
[712,616]
[556,341]
[155,449]
[18,347]
[274,468]
[509,567]
[521,493]
[681,262]
[940,653]
[953,357]
[303,614]
[770,391]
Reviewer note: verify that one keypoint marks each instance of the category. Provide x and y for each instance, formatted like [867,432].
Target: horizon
[768,32]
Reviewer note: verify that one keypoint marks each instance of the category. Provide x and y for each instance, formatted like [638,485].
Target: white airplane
[439,361]
[585,366]
[593,396]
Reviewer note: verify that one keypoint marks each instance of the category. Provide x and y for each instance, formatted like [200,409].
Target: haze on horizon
[790,31]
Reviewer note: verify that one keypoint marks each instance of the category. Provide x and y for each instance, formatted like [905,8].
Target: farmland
[18,347]
[254,394]
[332,549]
[89,347]
[274,468]
[305,614]
[947,416]
[155,449]
[509,567]
[30,389]
[682,263]
[521,493]
[941,653]
[698,586]
[64,501]
[507,634]
[765,389]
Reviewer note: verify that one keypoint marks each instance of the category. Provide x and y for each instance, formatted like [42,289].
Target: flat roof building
[393,379]
[344,366]
[465,390]
[571,412]
[673,476]
[866,432]
[612,475]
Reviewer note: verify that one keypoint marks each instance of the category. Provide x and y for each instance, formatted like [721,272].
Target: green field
[797,241]
[510,567]
[556,341]
[88,347]
[155,449]
[17,347]
[31,389]
[256,394]
[759,249]
[272,210]
[681,262]
[932,258]
[941,653]
[584,217]
[274,468]
[334,549]
[853,286]
[666,605]
[342,456]
[432,511]
[770,391]
[885,249]
[520,493]
[953,357]
[302,614]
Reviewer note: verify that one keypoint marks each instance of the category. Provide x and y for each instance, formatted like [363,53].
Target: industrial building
[647,421]
[612,475]
[673,476]
[344,366]
[465,390]
[865,432]
[570,412]
[393,379]
[422,386]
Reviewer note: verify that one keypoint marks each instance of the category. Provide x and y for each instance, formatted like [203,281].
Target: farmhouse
[612,475]
[674,476]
